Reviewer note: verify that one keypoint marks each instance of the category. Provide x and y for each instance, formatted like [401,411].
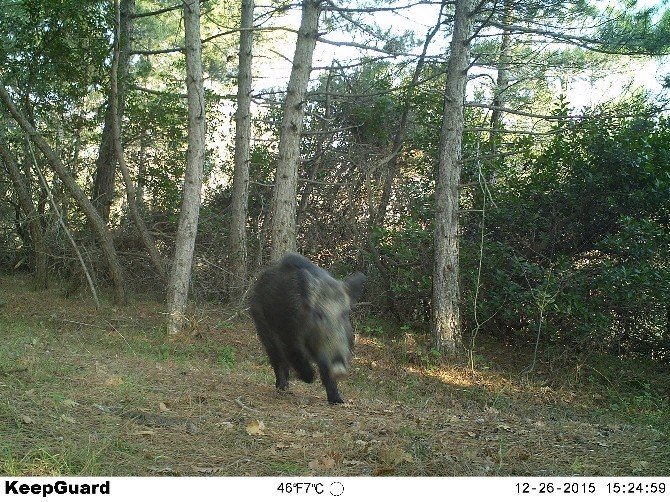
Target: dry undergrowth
[105,393]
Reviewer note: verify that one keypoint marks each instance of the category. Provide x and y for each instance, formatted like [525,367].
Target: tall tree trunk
[446,294]
[28,208]
[238,223]
[283,230]
[105,165]
[97,223]
[145,236]
[187,229]
[503,78]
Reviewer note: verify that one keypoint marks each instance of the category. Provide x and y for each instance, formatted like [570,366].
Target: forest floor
[105,392]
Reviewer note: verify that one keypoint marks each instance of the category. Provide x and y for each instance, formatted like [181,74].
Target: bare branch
[156,51]
[155,12]
[362,46]
[372,10]
[591,44]
[156,92]
[231,31]
[160,11]
[556,118]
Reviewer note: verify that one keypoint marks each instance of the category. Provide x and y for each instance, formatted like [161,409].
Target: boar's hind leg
[330,384]
[301,364]
[281,374]
[276,356]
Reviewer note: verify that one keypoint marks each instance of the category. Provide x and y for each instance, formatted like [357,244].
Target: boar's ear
[354,284]
[306,283]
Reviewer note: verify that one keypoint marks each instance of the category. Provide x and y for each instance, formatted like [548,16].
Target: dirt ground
[105,392]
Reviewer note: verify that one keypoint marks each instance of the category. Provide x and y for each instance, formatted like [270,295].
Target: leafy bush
[578,245]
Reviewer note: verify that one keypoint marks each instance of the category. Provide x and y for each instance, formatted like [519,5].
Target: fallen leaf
[394,456]
[383,471]
[255,428]
[70,403]
[103,408]
[322,463]
[207,470]
[162,470]
[639,465]
[113,381]
[163,407]
[26,419]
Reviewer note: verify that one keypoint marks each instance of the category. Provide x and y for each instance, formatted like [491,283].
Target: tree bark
[114,103]
[238,224]
[28,208]
[283,230]
[188,220]
[105,165]
[446,293]
[97,223]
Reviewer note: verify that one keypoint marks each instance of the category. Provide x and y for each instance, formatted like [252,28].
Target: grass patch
[42,462]
[226,357]
[286,468]
[634,390]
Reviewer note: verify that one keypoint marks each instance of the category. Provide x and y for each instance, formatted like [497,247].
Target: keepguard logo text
[57,488]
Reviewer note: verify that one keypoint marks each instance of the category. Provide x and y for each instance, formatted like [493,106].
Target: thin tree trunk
[320,151]
[283,229]
[446,293]
[105,165]
[66,230]
[28,208]
[238,222]
[188,220]
[503,78]
[145,236]
[377,218]
[97,223]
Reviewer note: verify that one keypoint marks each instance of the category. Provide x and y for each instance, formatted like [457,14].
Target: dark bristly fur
[301,315]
